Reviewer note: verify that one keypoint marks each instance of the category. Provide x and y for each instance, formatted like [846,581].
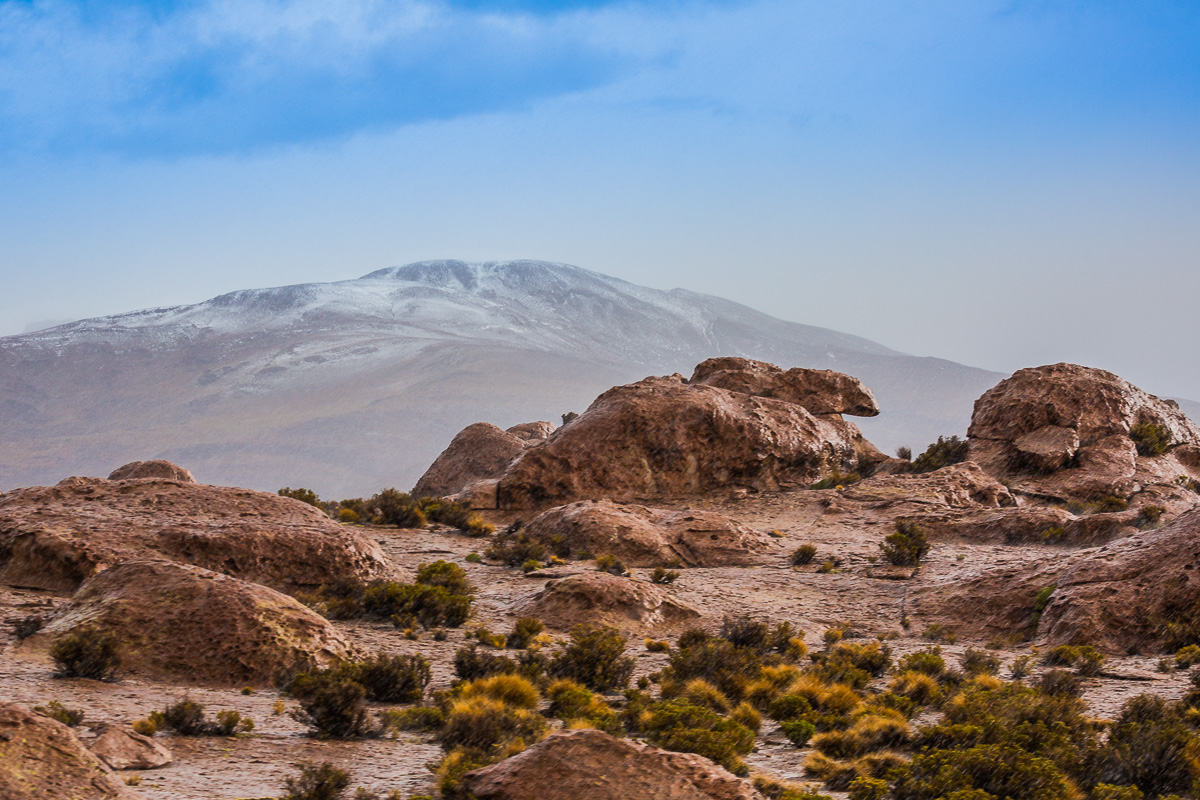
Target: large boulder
[41,759]
[178,622]
[593,765]
[819,391]
[124,748]
[157,469]
[1065,431]
[669,438]
[601,598]
[649,537]
[58,536]
[478,452]
[1137,594]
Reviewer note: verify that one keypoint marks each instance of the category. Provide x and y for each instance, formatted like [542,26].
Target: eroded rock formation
[600,598]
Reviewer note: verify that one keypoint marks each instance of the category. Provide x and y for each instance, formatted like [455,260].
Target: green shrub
[524,632]
[393,679]
[420,718]
[1149,746]
[186,718]
[471,663]
[657,646]
[1022,666]
[392,507]
[1148,516]
[680,726]
[979,662]
[86,653]
[864,788]
[610,564]
[1151,439]
[317,782]
[728,667]
[907,546]
[303,495]
[1106,791]
[928,661]
[663,576]
[230,723]
[798,731]
[942,453]
[595,657]
[904,453]
[512,690]
[447,575]
[1188,655]
[1086,659]
[485,724]
[474,558]
[71,717]
[332,702]
[804,554]
[456,515]
[513,547]
[572,702]
[1000,771]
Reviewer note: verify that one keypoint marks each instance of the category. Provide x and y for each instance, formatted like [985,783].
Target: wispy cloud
[231,75]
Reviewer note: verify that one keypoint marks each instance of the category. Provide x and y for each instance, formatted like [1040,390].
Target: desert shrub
[393,679]
[829,565]
[1151,439]
[471,663]
[24,627]
[1186,656]
[699,692]
[979,662]
[798,731]
[186,718]
[937,632]
[525,631]
[1106,791]
[392,507]
[657,646]
[486,637]
[595,657]
[907,546]
[728,667]
[1148,516]
[1085,658]
[317,782]
[348,515]
[418,718]
[904,453]
[1022,666]
[456,515]
[864,788]
[332,702]
[71,717]
[804,554]
[868,733]
[1108,504]
[513,547]
[1060,682]
[447,575]
[999,771]
[432,606]
[836,479]
[663,576]
[573,703]
[485,724]
[1149,746]
[512,690]
[230,723]
[928,661]
[942,453]
[919,687]
[680,726]
[303,495]
[747,716]
[781,790]
[86,653]
[610,564]
[746,632]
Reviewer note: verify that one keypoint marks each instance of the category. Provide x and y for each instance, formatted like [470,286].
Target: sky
[1003,184]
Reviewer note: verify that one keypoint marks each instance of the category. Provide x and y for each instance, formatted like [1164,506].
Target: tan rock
[601,598]
[56,537]
[648,537]
[667,438]
[41,759]
[124,748]
[960,486]
[156,469]
[591,765]
[532,431]
[1049,448]
[178,622]
[819,391]
[478,452]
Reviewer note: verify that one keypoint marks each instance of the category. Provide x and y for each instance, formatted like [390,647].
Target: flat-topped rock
[819,391]
[157,469]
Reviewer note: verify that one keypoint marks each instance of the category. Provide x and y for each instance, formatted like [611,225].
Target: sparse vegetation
[904,453]
[71,717]
[837,479]
[187,718]
[1151,439]
[804,554]
[942,453]
[525,631]
[907,546]
[610,564]
[441,596]
[663,576]
[317,782]
[86,653]
[303,495]
[595,657]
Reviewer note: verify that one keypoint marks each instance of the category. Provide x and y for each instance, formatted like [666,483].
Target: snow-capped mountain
[351,386]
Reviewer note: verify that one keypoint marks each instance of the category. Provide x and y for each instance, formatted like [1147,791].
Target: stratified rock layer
[41,759]
[58,536]
[667,438]
[649,537]
[178,622]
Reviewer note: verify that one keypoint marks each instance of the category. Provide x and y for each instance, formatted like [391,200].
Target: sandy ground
[862,593]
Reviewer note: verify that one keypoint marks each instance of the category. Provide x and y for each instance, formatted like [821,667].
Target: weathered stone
[125,748]
[156,469]
[1048,448]
[963,486]
[532,431]
[476,453]
[819,391]
[41,759]
[647,537]
[56,537]
[667,438]
[591,765]
[178,622]
[601,598]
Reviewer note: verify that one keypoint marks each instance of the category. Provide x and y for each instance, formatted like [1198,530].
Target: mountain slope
[351,386]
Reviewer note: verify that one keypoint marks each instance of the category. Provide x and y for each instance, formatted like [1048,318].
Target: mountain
[353,386]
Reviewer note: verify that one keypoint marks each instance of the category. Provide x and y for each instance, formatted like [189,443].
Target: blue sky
[1001,183]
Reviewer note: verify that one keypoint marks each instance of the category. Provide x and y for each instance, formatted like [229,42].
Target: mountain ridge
[315,384]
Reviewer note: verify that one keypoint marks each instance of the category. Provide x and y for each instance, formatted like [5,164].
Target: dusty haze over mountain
[351,386]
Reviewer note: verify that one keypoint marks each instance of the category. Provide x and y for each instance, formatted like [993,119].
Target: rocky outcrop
[156,469]
[669,438]
[532,431]
[601,598]
[41,759]
[1065,431]
[648,537]
[593,765]
[478,452]
[958,486]
[1138,594]
[56,537]
[178,622]
[819,391]
[124,748]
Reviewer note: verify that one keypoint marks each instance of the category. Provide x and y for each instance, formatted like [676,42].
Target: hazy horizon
[1001,184]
